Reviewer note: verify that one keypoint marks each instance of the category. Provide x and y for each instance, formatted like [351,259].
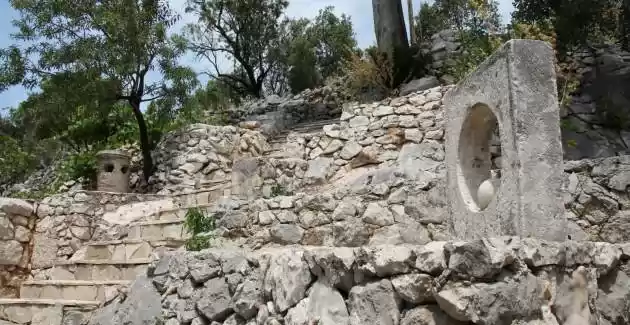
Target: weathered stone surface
[248,296]
[10,252]
[327,305]
[414,288]
[374,303]
[214,300]
[491,303]
[287,279]
[529,201]
[141,307]
[427,315]
[16,207]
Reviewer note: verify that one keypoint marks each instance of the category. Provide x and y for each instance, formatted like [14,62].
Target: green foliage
[279,190]
[199,226]
[80,166]
[575,22]
[90,56]
[15,162]
[477,49]
[429,21]
[246,31]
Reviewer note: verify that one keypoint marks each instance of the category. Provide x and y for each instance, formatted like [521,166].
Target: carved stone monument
[514,90]
[113,171]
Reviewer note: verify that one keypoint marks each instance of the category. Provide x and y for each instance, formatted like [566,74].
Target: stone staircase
[279,141]
[69,291]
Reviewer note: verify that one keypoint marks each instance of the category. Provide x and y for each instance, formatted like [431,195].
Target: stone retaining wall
[405,204]
[368,134]
[200,156]
[17,223]
[492,281]
[68,220]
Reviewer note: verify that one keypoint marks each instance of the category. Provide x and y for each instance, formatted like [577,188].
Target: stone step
[99,270]
[158,229]
[177,213]
[129,249]
[46,311]
[101,291]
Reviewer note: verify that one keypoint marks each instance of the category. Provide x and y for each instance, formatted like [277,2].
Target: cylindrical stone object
[113,171]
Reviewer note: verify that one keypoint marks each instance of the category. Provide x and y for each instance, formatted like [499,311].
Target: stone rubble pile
[491,281]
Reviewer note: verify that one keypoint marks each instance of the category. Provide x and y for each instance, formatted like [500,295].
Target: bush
[477,48]
[15,162]
[80,166]
[199,226]
[369,74]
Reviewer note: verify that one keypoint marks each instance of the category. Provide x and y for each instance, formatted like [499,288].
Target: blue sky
[359,10]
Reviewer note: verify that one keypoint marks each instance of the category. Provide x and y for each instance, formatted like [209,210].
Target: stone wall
[367,134]
[68,220]
[200,156]
[405,204]
[277,113]
[492,281]
[603,72]
[17,223]
[443,49]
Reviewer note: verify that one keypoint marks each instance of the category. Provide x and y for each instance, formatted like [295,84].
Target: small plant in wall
[279,190]
[200,226]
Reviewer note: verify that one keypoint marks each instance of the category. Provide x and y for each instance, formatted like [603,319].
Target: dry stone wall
[367,134]
[200,156]
[277,113]
[503,280]
[17,222]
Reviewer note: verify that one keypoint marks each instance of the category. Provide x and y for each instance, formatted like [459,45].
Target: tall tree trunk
[389,25]
[145,144]
[391,37]
[412,32]
[625,25]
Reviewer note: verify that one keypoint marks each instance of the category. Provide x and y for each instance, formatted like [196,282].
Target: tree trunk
[145,144]
[391,37]
[625,25]
[412,31]
[389,25]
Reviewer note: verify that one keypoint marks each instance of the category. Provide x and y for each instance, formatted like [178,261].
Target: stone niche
[514,90]
[113,171]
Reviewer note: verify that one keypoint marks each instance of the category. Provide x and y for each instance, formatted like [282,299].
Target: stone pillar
[514,89]
[113,171]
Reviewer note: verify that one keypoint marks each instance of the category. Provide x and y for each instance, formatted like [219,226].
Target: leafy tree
[101,51]
[429,21]
[333,38]
[242,31]
[575,22]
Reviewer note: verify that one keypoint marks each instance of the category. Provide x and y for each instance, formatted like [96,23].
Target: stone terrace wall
[17,224]
[368,134]
[68,220]
[200,156]
[493,281]
[596,197]
[406,204]
[277,113]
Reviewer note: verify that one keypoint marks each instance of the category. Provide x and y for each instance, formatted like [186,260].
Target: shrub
[15,161]
[369,73]
[200,227]
[80,166]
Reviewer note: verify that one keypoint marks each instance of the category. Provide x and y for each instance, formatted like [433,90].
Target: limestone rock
[428,315]
[213,301]
[374,303]
[287,279]
[414,288]
[142,306]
